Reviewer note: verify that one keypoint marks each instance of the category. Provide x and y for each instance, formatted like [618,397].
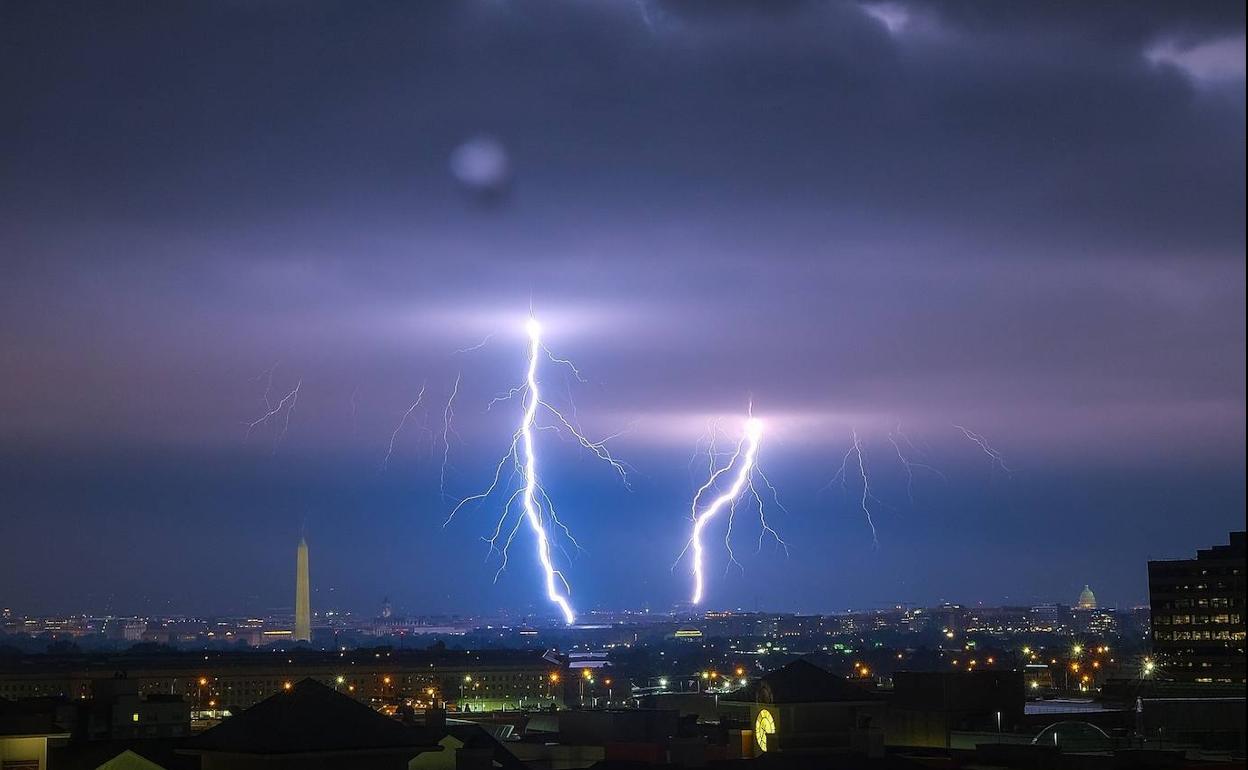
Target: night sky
[1023,218]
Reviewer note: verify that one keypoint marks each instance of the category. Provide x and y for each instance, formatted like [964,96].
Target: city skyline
[990,257]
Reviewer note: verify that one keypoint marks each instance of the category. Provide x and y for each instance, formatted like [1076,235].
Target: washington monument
[303,604]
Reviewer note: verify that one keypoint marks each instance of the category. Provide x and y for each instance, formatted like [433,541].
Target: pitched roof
[475,736]
[129,760]
[801,682]
[308,718]
[90,755]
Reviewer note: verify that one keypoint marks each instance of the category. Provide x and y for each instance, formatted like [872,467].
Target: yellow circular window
[764,725]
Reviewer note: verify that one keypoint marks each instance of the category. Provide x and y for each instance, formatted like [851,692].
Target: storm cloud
[1024,217]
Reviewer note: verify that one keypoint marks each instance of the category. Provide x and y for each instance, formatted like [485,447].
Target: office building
[1198,614]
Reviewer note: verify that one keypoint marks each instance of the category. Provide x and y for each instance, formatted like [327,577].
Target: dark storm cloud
[1028,216]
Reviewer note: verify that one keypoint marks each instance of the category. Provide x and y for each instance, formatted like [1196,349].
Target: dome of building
[1087,599]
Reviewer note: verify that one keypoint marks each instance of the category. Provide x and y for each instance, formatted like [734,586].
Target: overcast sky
[1026,219]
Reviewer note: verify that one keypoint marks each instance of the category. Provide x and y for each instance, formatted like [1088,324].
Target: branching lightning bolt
[286,404]
[866,488]
[267,376]
[993,455]
[742,465]
[536,507]
[842,475]
[528,497]
[385,463]
[896,437]
[447,414]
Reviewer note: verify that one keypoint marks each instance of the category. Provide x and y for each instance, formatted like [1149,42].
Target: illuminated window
[764,726]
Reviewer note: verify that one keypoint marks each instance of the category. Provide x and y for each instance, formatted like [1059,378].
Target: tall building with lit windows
[1198,614]
[303,599]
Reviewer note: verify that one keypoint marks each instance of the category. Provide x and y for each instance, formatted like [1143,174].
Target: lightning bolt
[995,458]
[385,463]
[528,498]
[267,376]
[866,487]
[842,475]
[286,404]
[477,346]
[896,437]
[447,414]
[742,465]
[535,505]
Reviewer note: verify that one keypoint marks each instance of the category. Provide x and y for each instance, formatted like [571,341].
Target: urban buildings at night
[974,684]
[643,384]
[1198,614]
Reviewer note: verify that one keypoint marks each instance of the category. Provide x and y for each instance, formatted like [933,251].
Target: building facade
[469,680]
[1198,614]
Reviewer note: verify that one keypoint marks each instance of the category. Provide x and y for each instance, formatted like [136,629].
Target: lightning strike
[535,506]
[742,465]
[477,346]
[267,376]
[529,497]
[896,437]
[866,488]
[385,463]
[447,414]
[995,458]
[286,405]
[842,476]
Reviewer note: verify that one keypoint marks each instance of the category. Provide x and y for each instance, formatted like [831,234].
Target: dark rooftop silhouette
[801,682]
[309,718]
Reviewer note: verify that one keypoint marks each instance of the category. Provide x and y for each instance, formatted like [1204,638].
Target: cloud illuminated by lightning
[742,465]
[535,506]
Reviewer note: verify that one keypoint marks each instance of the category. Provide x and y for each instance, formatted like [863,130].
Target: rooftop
[801,682]
[310,718]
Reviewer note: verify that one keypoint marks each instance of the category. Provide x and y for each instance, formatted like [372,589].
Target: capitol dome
[1087,599]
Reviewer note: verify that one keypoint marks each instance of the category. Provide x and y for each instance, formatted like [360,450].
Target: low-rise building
[802,708]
